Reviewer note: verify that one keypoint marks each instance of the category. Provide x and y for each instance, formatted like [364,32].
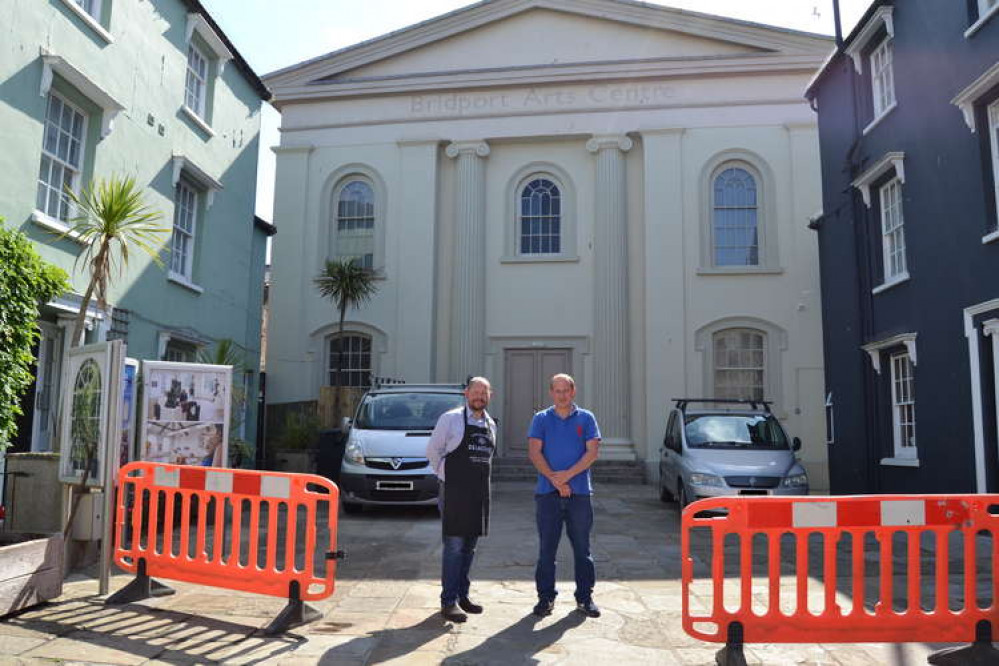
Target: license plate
[755,491]
[393,485]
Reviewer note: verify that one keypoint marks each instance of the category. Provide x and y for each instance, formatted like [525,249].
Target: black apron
[466,482]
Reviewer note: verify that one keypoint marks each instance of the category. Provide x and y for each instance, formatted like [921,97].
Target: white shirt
[448,433]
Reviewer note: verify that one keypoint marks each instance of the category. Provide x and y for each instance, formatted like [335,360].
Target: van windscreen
[405,411]
[734,431]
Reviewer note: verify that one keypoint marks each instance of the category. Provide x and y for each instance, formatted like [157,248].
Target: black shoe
[453,614]
[469,606]
[588,608]
[544,607]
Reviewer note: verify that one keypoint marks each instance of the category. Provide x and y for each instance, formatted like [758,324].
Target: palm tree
[111,219]
[348,285]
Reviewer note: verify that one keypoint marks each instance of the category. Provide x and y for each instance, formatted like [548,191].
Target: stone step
[604,471]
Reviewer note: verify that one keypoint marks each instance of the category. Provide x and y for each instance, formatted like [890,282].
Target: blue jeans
[576,513]
[455,564]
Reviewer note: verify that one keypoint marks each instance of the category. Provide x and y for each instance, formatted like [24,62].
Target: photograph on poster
[182,395]
[180,443]
[125,452]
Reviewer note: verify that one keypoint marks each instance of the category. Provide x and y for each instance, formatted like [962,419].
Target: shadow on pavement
[518,639]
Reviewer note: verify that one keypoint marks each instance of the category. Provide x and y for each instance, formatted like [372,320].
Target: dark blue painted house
[908,112]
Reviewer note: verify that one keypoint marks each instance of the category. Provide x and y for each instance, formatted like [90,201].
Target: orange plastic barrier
[831,548]
[255,531]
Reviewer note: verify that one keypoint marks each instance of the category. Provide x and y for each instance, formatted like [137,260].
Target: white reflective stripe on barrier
[218,482]
[275,486]
[166,478]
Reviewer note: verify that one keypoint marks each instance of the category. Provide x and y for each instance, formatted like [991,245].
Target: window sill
[993,236]
[539,259]
[877,121]
[740,270]
[982,20]
[193,116]
[184,282]
[91,22]
[900,462]
[904,277]
[54,225]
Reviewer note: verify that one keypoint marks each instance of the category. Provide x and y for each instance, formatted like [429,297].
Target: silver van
[727,447]
[385,459]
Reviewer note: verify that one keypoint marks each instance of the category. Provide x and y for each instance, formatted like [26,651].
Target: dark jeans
[456,561]
[576,513]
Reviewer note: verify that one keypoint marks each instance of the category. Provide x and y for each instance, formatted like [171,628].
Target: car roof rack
[681,403]
[415,387]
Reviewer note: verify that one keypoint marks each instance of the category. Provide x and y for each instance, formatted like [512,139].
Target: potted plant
[297,443]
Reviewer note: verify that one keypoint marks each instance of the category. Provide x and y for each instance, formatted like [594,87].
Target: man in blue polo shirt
[563,443]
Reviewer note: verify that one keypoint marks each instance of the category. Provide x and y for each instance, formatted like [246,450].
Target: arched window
[354,222]
[735,218]
[85,419]
[540,217]
[349,360]
[740,364]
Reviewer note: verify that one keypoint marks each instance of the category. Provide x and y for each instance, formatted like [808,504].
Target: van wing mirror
[345,424]
[796,444]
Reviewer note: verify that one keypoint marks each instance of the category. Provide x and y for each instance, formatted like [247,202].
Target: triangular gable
[682,30]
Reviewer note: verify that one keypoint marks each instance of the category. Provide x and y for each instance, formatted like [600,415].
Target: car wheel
[682,496]
[664,494]
[352,509]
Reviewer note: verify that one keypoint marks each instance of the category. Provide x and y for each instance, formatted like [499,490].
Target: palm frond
[346,283]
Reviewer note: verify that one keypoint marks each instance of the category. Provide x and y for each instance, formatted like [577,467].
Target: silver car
[730,447]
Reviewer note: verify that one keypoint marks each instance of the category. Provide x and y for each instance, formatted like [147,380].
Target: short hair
[564,376]
[479,380]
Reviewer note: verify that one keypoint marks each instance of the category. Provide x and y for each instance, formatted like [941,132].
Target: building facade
[602,187]
[92,89]
[909,248]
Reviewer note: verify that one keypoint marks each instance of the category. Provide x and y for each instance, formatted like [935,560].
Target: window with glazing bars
[92,7]
[882,77]
[62,157]
[903,406]
[352,355]
[740,362]
[735,219]
[197,77]
[355,223]
[892,230]
[540,218]
[185,218]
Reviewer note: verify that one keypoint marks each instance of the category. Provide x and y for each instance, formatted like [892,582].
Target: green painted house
[151,89]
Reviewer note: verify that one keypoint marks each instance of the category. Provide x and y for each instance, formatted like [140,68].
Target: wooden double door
[526,376]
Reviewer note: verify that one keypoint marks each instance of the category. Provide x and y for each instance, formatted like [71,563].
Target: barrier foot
[295,614]
[141,587]
[731,654]
[979,653]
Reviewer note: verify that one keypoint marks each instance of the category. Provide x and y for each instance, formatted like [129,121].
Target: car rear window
[734,431]
[405,411]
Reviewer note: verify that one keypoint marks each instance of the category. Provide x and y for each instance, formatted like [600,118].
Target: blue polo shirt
[564,443]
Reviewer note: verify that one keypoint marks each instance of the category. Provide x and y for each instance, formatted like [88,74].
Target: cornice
[765,38]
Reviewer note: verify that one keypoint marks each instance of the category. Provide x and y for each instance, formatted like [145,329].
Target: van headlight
[795,481]
[354,453]
[698,479]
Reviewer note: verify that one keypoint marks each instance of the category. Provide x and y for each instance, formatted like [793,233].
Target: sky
[270,39]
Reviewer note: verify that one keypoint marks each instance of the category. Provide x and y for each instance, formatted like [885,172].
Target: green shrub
[25,282]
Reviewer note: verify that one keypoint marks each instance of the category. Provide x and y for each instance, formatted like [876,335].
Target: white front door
[47,387]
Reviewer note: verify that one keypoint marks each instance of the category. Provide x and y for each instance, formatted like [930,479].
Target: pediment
[513,35]
[544,37]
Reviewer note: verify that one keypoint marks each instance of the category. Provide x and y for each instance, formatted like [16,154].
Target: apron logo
[396,463]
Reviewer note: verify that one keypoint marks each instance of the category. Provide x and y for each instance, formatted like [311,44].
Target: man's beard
[477,405]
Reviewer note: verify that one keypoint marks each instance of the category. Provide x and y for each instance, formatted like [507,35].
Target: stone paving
[385,609]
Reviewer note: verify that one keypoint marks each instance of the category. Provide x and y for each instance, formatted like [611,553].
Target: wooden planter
[30,570]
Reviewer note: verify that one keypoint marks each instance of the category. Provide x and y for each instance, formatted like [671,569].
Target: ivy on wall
[26,281]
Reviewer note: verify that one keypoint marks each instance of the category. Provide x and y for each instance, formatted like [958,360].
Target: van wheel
[682,496]
[664,494]
[352,509]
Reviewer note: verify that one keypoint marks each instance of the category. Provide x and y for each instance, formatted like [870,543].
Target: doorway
[526,375]
[49,369]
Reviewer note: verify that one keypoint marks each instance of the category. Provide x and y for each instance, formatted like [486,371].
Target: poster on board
[129,386]
[92,374]
[185,413]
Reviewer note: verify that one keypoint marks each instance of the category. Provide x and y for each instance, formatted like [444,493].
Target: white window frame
[186,198]
[200,80]
[76,170]
[757,185]
[903,406]
[993,119]
[895,268]
[351,371]
[556,183]
[882,78]
[371,234]
[830,419]
[91,7]
[986,10]
[762,368]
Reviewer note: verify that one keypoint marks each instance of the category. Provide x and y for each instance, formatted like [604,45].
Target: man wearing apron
[460,451]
